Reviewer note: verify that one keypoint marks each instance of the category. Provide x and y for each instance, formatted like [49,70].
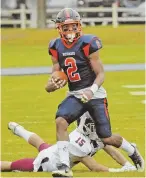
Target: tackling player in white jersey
[84,143]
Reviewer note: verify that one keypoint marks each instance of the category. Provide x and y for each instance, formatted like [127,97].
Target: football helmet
[86,126]
[68,23]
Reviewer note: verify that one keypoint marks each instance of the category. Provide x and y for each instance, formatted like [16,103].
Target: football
[61,75]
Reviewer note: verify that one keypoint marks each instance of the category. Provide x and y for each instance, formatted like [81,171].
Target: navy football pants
[72,108]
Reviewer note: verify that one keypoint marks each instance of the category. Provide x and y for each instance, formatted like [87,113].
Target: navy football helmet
[66,17]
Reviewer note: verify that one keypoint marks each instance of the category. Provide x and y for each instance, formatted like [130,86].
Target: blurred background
[38,13]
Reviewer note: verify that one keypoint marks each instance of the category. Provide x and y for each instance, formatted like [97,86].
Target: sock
[20,131]
[63,152]
[44,146]
[23,164]
[126,146]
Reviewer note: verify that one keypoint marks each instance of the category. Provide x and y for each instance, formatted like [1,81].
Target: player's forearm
[115,154]
[99,168]
[97,67]
[92,165]
[97,83]
[119,158]
[50,87]
[99,79]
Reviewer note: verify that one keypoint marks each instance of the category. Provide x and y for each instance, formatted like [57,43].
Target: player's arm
[92,165]
[97,67]
[56,66]
[54,83]
[115,154]
[51,84]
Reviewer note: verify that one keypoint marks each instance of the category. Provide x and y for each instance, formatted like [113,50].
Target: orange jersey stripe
[105,108]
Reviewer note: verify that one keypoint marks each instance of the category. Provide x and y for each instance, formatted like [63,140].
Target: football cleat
[12,126]
[137,159]
[63,171]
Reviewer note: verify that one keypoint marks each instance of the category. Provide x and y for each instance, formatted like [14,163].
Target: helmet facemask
[86,126]
[70,30]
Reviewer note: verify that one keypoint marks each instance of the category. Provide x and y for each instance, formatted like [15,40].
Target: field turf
[25,101]
[30,47]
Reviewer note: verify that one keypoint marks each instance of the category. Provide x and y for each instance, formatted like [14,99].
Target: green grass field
[25,101]
[30,47]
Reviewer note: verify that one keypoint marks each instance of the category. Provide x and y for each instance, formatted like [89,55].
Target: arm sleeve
[95,45]
[52,49]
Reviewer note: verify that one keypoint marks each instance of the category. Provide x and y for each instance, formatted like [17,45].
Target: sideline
[47,70]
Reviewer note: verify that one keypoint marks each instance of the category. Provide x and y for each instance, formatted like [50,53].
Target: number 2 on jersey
[73,77]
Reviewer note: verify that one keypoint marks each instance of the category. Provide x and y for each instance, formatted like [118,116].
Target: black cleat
[63,171]
[137,159]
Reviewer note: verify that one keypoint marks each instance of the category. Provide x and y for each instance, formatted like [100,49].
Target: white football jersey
[86,127]
[80,146]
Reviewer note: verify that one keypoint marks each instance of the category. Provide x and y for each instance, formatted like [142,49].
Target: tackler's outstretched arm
[115,154]
[92,165]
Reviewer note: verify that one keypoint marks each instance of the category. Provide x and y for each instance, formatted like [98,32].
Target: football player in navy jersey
[78,56]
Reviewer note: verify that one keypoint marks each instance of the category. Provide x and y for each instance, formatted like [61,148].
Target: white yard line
[138,93]
[134,86]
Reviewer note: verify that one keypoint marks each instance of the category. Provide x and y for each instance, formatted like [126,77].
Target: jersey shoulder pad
[53,46]
[54,43]
[91,44]
[88,38]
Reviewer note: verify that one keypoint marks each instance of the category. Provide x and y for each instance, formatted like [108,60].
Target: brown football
[61,75]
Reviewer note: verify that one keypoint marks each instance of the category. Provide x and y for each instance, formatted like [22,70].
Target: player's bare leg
[25,164]
[31,137]
[63,143]
[5,166]
[133,153]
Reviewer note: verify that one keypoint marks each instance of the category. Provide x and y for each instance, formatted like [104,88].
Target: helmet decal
[86,126]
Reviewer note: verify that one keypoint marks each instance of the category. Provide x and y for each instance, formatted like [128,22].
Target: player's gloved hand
[54,84]
[114,170]
[86,96]
[58,83]
[123,169]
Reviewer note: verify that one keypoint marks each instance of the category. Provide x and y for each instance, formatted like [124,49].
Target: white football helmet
[86,126]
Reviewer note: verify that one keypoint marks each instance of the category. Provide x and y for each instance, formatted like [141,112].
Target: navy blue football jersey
[74,60]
